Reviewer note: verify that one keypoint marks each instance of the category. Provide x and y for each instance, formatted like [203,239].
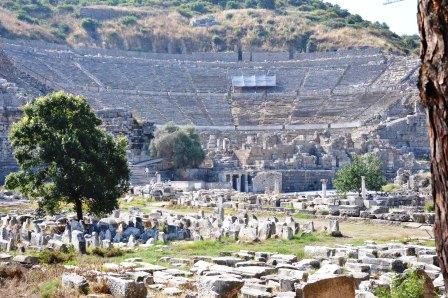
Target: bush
[196,6]
[232,5]
[107,253]
[38,10]
[409,285]
[128,20]
[48,256]
[430,207]
[60,30]
[25,17]
[65,9]
[89,24]
[49,288]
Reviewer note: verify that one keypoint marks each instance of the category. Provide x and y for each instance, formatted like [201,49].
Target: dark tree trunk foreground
[433,84]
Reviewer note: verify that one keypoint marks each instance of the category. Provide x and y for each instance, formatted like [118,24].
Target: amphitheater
[363,98]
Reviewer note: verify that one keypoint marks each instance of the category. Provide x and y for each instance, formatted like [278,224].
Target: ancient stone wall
[409,132]
[305,180]
[267,182]
[122,122]
[7,161]
[333,93]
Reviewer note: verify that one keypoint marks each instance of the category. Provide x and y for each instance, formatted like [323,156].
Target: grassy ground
[45,282]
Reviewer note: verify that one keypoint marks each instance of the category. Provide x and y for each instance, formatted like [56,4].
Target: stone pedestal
[363,187]
[324,188]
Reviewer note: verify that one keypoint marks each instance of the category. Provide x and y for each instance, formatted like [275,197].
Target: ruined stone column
[363,188]
[220,208]
[238,183]
[158,177]
[224,144]
[277,188]
[324,187]
[246,184]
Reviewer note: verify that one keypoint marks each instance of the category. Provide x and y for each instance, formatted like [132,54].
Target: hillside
[177,26]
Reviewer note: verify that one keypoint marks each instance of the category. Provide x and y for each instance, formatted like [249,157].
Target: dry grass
[328,39]
[16,28]
[33,281]
[99,287]
[168,29]
[11,271]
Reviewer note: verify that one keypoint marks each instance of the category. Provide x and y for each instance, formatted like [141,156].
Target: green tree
[348,178]
[181,146]
[65,157]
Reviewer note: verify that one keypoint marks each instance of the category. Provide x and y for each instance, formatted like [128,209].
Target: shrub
[266,4]
[185,12]
[217,40]
[49,288]
[429,206]
[232,5]
[48,256]
[409,285]
[250,3]
[195,6]
[38,10]
[107,253]
[60,30]
[89,24]
[229,16]
[65,8]
[128,20]
[25,17]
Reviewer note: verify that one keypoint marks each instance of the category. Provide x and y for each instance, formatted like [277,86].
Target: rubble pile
[331,270]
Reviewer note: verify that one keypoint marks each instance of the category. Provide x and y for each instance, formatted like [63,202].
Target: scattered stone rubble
[338,271]
[400,207]
[131,229]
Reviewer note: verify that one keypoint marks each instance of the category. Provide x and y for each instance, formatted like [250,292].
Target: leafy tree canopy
[65,157]
[181,146]
[348,178]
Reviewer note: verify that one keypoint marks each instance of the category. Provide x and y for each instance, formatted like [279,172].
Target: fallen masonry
[339,271]
[405,206]
[134,228]
[332,271]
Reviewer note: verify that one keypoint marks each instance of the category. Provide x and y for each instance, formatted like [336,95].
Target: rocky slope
[184,26]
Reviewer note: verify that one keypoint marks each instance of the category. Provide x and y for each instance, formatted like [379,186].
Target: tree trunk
[78,207]
[433,84]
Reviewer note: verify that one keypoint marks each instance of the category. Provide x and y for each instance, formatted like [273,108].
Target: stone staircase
[138,175]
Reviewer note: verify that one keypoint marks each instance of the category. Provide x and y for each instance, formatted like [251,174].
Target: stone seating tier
[173,87]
